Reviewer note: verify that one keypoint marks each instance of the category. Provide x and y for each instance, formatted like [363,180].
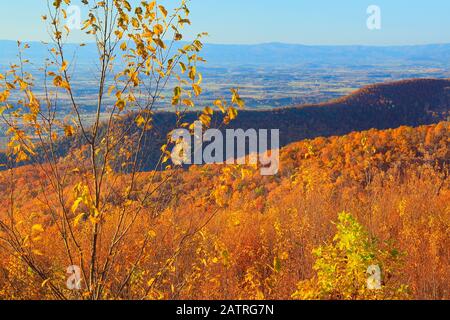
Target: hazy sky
[291,21]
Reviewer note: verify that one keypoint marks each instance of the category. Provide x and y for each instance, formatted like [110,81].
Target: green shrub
[342,267]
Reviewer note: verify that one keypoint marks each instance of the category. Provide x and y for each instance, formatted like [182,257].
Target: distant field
[262,87]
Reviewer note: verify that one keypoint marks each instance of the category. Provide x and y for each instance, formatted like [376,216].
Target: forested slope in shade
[259,242]
[382,106]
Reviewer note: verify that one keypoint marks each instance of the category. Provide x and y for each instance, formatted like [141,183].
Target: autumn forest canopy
[93,207]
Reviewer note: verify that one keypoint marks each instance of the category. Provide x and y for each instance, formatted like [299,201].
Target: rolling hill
[381,106]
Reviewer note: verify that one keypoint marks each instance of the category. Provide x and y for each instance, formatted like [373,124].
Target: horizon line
[263,43]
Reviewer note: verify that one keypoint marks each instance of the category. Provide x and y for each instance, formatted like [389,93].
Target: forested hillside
[225,232]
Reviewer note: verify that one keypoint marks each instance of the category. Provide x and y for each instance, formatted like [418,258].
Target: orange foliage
[228,233]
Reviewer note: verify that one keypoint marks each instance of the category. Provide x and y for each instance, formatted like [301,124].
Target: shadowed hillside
[382,106]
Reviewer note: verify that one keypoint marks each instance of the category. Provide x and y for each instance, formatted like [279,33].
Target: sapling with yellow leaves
[140,57]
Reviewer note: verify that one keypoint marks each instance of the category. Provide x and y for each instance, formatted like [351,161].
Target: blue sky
[292,21]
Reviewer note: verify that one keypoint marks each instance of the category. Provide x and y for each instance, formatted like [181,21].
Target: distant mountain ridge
[282,54]
[273,54]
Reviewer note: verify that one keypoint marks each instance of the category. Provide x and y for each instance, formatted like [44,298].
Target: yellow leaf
[45,282]
[192,72]
[140,121]
[183,67]
[94,220]
[111,88]
[151,6]
[77,219]
[197,89]
[151,281]
[188,103]
[209,111]
[121,104]
[37,252]
[69,131]
[23,85]
[158,29]
[237,99]
[135,23]
[232,113]
[37,228]
[127,5]
[64,66]
[21,156]
[205,119]
[59,82]
[163,11]
[160,43]
[219,104]
[76,204]
[178,36]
